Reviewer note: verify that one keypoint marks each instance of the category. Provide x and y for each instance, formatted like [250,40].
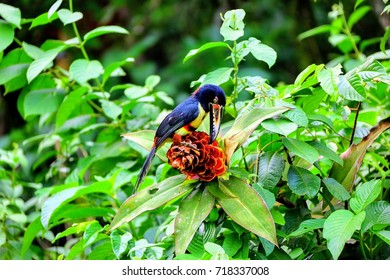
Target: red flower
[193,156]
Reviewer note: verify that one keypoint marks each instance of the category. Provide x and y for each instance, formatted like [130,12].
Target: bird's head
[212,99]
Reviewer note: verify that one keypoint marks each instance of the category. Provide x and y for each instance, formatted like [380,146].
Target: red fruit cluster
[195,157]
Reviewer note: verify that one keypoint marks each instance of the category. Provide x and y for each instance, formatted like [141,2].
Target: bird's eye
[215,101]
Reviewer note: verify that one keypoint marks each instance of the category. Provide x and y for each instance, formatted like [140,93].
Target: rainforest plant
[299,171]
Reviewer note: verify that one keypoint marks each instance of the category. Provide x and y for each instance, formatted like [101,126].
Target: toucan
[186,118]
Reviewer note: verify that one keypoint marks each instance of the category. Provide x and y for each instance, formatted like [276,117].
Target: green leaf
[217,252]
[203,48]
[377,215]
[43,19]
[120,242]
[302,182]
[53,203]
[338,229]
[74,229]
[308,71]
[192,211]
[385,39]
[43,62]
[329,79]
[6,35]
[245,207]
[54,8]
[384,235]
[357,15]
[262,52]
[280,126]
[301,149]
[364,195]
[71,101]
[145,139]
[245,124]
[352,88]
[270,170]
[11,14]
[233,25]
[150,198]
[307,226]
[298,116]
[152,81]
[336,189]
[67,17]
[135,92]
[82,70]
[91,233]
[31,233]
[39,102]
[324,151]
[111,69]
[231,244]
[110,109]
[102,30]
[218,77]
[315,31]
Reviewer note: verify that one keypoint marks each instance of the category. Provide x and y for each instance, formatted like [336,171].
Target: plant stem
[355,123]
[361,243]
[347,32]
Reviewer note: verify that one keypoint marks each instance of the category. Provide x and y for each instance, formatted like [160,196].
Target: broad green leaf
[134,92]
[302,182]
[268,196]
[6,35]
[120,242]
[298,116]
[217,252]
[324,151]
[377,215]
[53,203]
[110,109]
[111,69]
[320,118]
[245,124]
[232,27]
[74,229]
[353,157]
[245,207]
[43,19]
[152,81]
[336,189]
[364,195]
[67,17]
[352,88]
[102,30]
[280,126]
[11,72]
[192,211]
[91,233]
[231,244]
[370,70]
[150,198]
[308,71]
[54,8]
[357,15]
[338,229]
[218,77]
[31,233]
[13,69]
[82,70]
[39,102]
[262,52]
[307,226]
[384,235]
[144,138]
[11,14]
[329,79]
[270,170]
[301,149]
[43,62]
[203,48]
[71,101]
[315,31]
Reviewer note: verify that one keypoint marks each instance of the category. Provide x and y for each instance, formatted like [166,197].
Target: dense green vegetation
[304,130]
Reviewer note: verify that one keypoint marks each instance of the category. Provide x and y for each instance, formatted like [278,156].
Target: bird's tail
[145,169]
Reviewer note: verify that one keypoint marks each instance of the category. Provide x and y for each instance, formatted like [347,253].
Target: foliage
[308,172]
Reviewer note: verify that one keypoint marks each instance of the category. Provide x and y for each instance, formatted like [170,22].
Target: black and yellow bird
[186,118]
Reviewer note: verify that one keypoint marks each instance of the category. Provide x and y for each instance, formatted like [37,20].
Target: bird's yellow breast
[192,126]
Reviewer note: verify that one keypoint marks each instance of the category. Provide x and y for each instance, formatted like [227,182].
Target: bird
[187,117]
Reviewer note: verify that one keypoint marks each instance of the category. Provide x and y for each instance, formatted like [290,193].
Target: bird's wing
[183,114]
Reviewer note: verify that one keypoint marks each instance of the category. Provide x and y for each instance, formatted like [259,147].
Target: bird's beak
[216,113]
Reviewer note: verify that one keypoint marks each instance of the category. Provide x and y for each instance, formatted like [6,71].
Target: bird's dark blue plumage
[186,118]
